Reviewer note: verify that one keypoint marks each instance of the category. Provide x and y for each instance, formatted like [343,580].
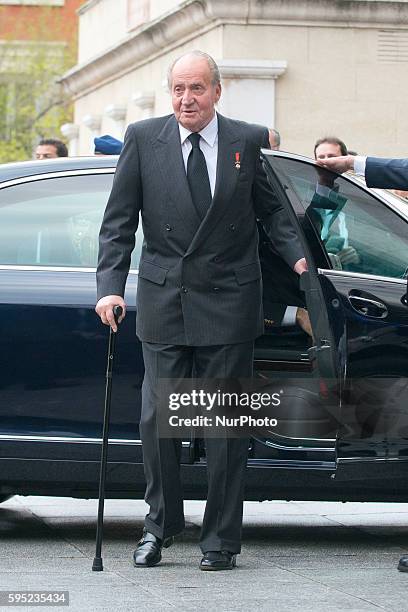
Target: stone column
[249,89]
[70,131]
[145,101]
[117,113]
[93,123]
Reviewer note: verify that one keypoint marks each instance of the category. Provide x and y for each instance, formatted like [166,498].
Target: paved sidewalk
[305,556]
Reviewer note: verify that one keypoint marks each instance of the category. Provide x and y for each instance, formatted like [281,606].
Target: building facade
[38,40]
[307,67]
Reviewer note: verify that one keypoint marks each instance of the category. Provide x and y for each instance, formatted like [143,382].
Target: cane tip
[97,565]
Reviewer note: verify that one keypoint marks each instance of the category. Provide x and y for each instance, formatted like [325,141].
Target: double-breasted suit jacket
[199,281]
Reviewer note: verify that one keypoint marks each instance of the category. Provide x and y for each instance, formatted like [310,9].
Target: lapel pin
[237,160]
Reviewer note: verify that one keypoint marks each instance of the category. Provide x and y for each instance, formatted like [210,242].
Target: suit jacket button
[232,227]
[168,227]
[216,289]
[216,259]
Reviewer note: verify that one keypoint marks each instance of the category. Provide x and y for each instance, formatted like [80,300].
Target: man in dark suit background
[379,172]
[196,179]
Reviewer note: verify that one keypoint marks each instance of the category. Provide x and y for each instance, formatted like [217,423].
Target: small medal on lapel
[237,160]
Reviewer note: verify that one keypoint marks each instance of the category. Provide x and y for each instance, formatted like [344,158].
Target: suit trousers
[226,457]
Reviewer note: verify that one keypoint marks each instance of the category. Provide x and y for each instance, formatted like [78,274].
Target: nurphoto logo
[217,408]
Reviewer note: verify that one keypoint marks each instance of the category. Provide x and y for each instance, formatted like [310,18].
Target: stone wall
[308,67]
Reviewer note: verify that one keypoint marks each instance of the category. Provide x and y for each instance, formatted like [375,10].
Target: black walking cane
[97,565]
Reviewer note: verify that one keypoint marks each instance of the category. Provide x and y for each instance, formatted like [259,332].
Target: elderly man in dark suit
[196,179]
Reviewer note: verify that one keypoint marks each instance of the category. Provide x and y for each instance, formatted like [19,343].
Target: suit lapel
[229,144]
[167,148]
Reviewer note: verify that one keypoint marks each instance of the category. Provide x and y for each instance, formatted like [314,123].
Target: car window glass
[55,221]
[359,233]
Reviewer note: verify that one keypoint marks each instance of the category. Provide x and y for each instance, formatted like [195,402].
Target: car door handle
[368,306]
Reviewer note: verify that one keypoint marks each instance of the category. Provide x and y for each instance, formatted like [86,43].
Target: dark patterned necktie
[197,176]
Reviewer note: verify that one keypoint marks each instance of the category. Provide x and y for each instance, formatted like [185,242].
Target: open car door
[311,369]
[356,245]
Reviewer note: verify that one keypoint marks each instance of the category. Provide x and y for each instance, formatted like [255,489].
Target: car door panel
[365,277]
[375,414]
[52,385]
[307,427]
[53,367]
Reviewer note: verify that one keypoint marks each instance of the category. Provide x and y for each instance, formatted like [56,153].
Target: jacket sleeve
[273,217]
[386,173]
[120,221]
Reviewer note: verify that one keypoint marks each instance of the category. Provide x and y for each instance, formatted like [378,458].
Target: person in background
[107,145]
[329,146]
[50,148]
[274,139]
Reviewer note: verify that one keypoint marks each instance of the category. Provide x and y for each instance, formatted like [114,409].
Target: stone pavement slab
[307,556]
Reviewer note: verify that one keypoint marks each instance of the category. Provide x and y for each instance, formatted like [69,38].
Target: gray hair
[214,70]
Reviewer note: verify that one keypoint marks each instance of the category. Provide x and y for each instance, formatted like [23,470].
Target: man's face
[326,150]
[193,94]
[46,152]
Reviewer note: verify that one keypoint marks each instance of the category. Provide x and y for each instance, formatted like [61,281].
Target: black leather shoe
[148,551]
[403,564]
[216,560]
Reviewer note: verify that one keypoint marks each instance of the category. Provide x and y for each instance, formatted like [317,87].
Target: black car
[342,434]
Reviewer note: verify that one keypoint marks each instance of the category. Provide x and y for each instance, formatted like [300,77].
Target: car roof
[9,172]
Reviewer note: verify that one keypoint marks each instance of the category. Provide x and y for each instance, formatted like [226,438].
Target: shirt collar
[209,133]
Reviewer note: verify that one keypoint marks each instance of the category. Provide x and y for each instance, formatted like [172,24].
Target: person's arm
[117,234]
[344,163]
[385,173]
[275,220]
[379,172]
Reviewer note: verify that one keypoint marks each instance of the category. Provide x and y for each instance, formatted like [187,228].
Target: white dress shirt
[208,145]
[360,165]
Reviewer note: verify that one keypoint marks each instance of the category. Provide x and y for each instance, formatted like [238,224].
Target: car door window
[358,232]
[55,221]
